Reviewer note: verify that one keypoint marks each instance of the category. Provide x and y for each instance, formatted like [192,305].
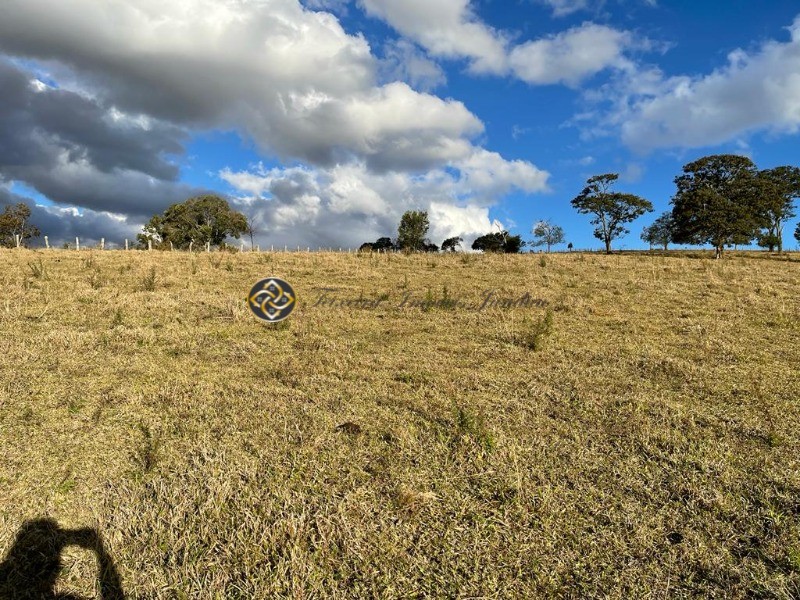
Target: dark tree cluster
[724,200]
[411,236]
[201,220]
[499,242]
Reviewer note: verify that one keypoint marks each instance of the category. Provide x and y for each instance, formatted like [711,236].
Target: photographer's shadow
[31,567]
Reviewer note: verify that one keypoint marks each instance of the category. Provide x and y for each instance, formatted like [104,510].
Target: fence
[101,245]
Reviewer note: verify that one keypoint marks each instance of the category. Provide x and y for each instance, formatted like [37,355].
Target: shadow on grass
[31,567]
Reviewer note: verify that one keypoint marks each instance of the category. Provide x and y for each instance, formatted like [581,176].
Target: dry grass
[641,441]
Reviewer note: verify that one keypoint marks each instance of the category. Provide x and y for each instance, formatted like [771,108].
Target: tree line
[721,200]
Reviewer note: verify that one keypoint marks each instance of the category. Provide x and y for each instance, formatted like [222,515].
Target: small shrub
[95,279]
[542,261]
[473,426]
[148,283]
[89,262]
[38,270]
[118,318]
[534,338]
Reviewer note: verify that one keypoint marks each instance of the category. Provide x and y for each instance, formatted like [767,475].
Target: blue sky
[325,120]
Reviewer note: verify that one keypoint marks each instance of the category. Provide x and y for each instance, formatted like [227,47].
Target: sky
[325,120]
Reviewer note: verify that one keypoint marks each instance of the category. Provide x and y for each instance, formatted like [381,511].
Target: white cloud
[754,91]
[446,28]
[451,29]
[562,8]
[403,61]
[571,56]
[349,204]
[290,78]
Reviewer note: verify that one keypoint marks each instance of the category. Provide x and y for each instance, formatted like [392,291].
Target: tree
[797,233]
[660,232]
[547,234]
[15,221]
[611,210]
[201,220]
[413,228]
[780,186]
[428,246]
[718,202]
[450,244]
[253,226]
[569,246]
[498,242]
[384,244]
[366,247]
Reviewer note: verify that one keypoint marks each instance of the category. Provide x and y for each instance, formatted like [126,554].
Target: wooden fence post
[16,240]
[77,244]
[241,247]
[102,243]
[46,242]
[190,246]
[149,245]
[126,244]
[208,246]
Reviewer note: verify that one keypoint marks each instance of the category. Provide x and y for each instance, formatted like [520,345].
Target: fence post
[285,247]
[171,246]
[77,244]
[16,240]
[102,243]
[241,247]
[191,243]
[149,244]
[126,244]
[208,246]
[46,242]
[258,248]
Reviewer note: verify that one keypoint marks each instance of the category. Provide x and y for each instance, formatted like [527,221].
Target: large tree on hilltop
[718,202]
[611,210]
[202,219]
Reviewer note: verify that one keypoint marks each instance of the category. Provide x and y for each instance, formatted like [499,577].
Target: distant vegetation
[721,200]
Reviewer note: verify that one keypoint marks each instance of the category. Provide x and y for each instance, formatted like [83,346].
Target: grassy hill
[631,432]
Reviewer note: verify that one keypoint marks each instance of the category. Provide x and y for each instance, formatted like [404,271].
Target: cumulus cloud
[349,204]
[451,29]
[571,56]
[290,78]
[403,61]
[754,91]
[76,152]
[129,81]
[446,28]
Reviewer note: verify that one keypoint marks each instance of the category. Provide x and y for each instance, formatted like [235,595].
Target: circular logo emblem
[272,299]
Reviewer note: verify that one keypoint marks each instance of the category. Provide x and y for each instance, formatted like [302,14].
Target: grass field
[634,433]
